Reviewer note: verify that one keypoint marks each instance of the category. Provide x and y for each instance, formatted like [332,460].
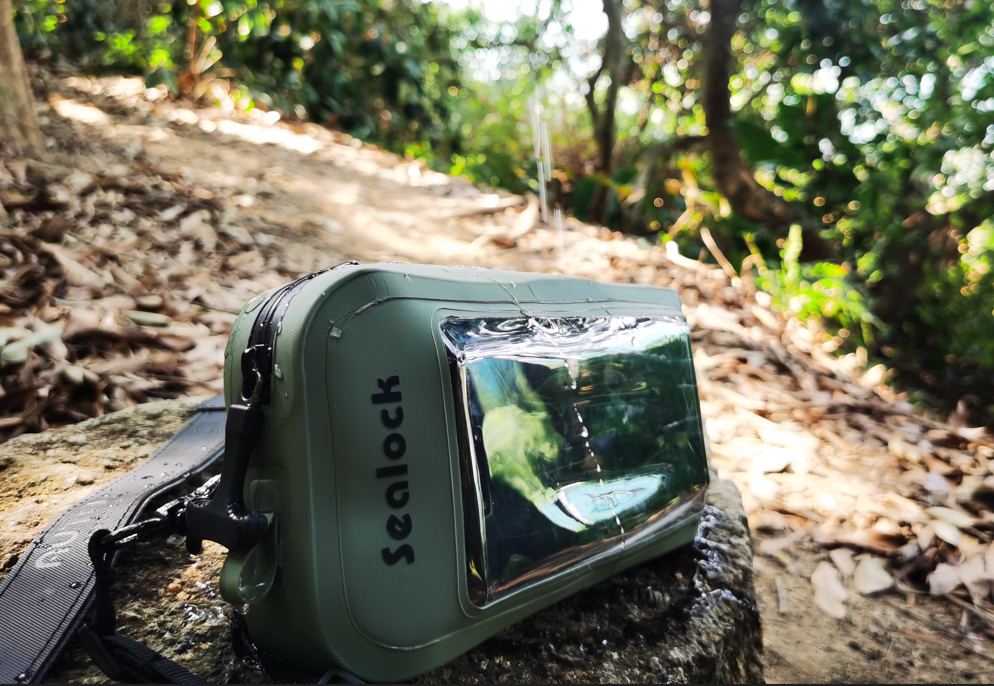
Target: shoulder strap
[43,599]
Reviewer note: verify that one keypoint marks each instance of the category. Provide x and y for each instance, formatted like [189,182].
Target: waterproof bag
[419,456]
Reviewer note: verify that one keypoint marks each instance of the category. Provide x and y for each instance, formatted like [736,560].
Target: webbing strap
[43,599]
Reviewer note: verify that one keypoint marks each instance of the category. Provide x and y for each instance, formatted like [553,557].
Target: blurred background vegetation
[838,152]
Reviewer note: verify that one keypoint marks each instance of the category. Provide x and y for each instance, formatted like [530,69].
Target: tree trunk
[732,174]
[614,52]
[603,120]
[18,122]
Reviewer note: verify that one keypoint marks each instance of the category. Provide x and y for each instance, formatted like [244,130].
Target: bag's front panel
[582,432]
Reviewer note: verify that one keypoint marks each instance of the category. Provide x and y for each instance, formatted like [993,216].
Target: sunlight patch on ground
[77,111]
[263,135]
[255,127]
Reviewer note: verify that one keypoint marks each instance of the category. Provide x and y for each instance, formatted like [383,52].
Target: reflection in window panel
[579,435]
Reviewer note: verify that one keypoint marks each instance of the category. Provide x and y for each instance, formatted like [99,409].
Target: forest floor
[153,221]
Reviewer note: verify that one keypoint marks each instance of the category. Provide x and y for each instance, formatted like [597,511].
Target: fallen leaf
[80,181]
[773,459]
[171,213]
[905,451]
[777,435]
[871,576]
[943,580]
[54,229]
[873,376]
[15,197]
[830,594]
[18,351]
[972,434]
[886,526]
[772,545]
[874,541]
[947,532]
[147,318]
[973,574]
[843,559]
[954,517]
[937,484]
[762,487]
[76,273]
[767,520]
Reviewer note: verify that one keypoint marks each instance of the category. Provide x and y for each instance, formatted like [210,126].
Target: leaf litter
[121,278]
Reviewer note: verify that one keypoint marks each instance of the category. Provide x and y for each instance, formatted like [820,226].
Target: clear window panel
[578,434]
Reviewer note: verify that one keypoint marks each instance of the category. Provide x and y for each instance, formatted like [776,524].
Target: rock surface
[687,617]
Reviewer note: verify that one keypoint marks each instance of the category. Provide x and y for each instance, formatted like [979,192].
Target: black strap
[43,599]
[124,659]
[119,657]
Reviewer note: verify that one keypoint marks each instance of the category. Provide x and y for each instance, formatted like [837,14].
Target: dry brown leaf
[843,559]
[774,459]
[76,273]
[830,594]
[904,450]
[937,484]
[871,576]
[885,525]
[973,434]
[954,517]
[947,532]
[943,580]
[874,541]
[772,545]
[973,574]
[769,521]
[762,487]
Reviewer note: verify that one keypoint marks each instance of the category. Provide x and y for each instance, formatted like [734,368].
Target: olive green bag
[419,456]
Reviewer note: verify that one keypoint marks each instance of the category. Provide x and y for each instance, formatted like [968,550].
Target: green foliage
[877,119]
[821,291]
[488,139]
[384,70]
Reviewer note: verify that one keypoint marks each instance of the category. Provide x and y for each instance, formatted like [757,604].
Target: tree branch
[589,96]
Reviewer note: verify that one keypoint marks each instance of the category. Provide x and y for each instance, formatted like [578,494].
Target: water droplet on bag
[277,372]
[336,332]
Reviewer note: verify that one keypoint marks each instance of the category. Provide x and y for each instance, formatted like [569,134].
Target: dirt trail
[809,439]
